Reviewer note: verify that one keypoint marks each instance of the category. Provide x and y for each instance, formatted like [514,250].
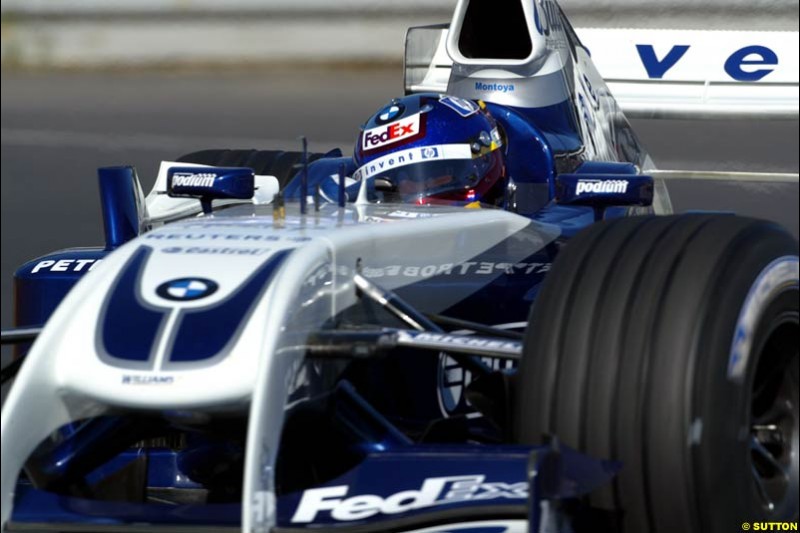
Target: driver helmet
[432,149]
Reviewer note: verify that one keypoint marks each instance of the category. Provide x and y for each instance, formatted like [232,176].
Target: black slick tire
[660,342]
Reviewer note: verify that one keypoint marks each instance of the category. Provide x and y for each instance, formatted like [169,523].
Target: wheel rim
[774,432]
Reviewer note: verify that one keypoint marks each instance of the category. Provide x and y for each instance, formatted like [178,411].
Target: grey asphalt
[58,128]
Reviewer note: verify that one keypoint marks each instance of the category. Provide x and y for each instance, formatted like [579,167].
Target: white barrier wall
[120,33]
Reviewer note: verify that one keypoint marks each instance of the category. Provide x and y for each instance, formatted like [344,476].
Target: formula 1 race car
[484,320]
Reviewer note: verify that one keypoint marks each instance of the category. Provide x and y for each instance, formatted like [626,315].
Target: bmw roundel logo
[390,113]
[187,289]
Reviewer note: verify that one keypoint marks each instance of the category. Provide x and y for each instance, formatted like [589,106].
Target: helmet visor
[449,172]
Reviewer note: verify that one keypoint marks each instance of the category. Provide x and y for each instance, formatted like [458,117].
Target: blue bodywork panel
[432,478]
[557,124]
[41,284]
[120,200]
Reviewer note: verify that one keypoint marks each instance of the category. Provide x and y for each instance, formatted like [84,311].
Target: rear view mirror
[602,190]
[211,183]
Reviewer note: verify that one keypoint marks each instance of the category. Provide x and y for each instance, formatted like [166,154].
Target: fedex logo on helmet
[391,133]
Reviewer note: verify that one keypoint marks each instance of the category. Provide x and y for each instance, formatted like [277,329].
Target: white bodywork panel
[700,81]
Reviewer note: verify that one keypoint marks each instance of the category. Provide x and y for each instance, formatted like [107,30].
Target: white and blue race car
[486,320]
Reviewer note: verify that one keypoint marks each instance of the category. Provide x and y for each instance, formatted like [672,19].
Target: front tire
[671,344]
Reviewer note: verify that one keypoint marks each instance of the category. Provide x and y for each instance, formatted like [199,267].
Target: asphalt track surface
[58,128]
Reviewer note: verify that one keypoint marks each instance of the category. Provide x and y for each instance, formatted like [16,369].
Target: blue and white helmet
[432,148]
